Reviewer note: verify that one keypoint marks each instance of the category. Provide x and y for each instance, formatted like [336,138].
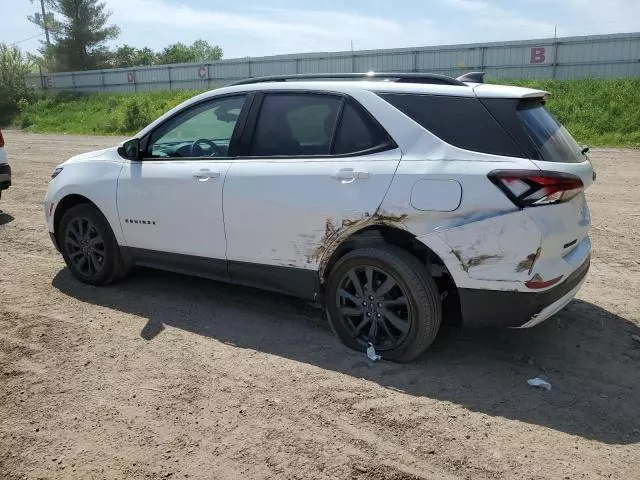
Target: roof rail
[397,77]
[472,77]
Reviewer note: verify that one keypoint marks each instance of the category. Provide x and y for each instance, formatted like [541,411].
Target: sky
[256,28]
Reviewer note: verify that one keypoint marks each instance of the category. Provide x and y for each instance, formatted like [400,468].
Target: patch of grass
[598,112]
[97,113]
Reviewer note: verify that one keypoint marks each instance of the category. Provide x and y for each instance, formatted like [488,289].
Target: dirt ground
[165,376]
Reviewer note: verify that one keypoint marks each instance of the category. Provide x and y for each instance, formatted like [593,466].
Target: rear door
[313,163]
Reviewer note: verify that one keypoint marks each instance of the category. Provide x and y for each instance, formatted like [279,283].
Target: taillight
[1,139]
[530,188]
[537,282]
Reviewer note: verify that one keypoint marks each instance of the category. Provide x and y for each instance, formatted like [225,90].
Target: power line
[25,39]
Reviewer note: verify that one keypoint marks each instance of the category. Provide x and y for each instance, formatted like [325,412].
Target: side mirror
[130,149]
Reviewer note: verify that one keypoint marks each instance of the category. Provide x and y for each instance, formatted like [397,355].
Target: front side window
[202,131]
[295,125]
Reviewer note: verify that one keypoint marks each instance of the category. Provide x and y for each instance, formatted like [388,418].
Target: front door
[171,200]
[316,163]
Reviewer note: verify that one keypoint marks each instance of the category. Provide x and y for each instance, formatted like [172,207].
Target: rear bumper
[5,176]
[498,308]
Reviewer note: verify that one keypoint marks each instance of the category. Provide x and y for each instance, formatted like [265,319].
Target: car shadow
[5,218]
[585,352]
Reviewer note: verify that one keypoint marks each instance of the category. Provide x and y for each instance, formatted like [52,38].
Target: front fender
[97,181]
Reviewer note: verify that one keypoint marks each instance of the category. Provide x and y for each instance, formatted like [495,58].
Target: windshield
[554,142]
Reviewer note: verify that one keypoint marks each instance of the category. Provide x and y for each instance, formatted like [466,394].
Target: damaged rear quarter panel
[495,248]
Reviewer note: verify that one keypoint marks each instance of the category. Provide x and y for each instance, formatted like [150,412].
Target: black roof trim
[472,77]
[429,78]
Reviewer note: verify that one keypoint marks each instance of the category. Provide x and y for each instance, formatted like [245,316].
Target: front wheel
[383,296]
[89,247]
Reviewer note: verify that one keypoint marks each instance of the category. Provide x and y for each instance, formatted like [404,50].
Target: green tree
[203,51]
[176,53]
[79,29]
[123,56]
[199,51]
[13,68]
[144,56]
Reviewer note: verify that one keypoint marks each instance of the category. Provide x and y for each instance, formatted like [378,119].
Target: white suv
[393,200]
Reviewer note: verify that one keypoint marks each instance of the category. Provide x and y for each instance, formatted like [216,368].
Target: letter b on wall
[538,55]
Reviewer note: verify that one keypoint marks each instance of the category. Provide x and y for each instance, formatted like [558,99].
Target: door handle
[349,175]
[205,174]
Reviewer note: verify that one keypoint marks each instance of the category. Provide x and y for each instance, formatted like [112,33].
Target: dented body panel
[291,213]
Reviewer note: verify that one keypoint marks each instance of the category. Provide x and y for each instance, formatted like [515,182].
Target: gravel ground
[165,376]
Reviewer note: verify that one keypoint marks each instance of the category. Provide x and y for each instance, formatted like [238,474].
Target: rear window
[460,121]
[552,140]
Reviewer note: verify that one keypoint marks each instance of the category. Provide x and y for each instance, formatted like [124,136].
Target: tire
[415,297]
[84,226]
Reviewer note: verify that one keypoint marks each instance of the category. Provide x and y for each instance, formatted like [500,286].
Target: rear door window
[315,124]
[358,132]
[551,138]
[460,121]
[295,125]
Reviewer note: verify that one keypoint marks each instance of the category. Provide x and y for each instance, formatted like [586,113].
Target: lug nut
[364,304]
[368,314]
[370,297]
[379,305]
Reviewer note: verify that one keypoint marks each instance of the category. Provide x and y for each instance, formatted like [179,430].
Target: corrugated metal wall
[616,55]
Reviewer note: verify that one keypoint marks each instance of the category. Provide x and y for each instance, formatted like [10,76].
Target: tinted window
[554,142]
[295,124]
[459,121]
[358,132]
[201,131]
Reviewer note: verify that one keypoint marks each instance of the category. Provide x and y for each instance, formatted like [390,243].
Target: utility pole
[44,22]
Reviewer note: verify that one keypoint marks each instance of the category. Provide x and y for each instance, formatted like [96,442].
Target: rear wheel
[89,246]
[384,296]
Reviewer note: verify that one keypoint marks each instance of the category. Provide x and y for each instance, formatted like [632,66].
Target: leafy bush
[13,90]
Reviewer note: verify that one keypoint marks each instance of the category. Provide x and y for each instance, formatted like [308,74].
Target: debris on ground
[372,354]
[636,338]
[538,382]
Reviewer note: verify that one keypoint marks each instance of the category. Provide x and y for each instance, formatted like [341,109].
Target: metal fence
[616,55]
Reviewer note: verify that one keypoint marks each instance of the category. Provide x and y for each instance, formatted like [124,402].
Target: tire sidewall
[112,252]
[420,316]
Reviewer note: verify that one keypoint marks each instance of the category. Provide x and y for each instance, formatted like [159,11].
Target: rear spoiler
[472,77]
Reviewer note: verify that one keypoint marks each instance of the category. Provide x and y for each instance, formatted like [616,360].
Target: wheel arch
[66,203]
[380,235]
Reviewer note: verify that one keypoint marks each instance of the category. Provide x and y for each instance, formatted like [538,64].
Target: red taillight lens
[1,139]
[530,188]
[536,282]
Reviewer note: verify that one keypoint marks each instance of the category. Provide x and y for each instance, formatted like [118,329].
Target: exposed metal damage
[335,235]
[528,263]
[488,248]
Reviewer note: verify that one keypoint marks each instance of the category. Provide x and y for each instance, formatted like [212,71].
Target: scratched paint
[491,249]
[335,235]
